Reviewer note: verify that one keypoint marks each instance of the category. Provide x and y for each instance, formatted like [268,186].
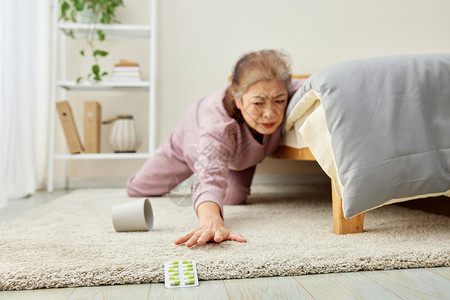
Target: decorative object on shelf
[124,137]
[92,12]
[92,126]
[126,71]
[87,16]
[70,128]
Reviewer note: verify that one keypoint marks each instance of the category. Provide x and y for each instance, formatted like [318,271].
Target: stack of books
[126,71]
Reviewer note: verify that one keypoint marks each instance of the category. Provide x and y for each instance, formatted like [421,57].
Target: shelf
[64,87]
[103,156]
[103,86]
[111,31]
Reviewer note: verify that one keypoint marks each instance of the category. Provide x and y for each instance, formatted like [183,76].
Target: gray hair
[254,67]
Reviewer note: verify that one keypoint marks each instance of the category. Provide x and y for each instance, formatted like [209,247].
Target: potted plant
[93,12]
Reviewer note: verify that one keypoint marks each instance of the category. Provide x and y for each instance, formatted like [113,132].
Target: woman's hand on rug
[211,228]
[210,231]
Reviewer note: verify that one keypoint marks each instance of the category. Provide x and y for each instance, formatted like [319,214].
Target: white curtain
[24,96]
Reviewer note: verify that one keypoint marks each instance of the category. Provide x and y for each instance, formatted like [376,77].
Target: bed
[378,127]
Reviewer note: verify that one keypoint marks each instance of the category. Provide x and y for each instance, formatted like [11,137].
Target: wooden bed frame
[341,225]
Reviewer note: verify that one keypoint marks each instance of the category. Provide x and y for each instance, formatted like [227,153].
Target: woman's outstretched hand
[213,231]
[211,228]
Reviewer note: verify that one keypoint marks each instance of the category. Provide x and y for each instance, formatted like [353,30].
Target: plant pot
[87,16]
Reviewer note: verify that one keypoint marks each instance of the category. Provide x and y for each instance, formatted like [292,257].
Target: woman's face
[263,105]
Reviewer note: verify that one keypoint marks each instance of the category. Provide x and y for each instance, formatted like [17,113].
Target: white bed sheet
[293,139]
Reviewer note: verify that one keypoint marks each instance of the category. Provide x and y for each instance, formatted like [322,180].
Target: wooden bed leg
[342,225]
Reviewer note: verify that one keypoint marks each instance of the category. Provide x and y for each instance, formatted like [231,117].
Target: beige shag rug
[71,241]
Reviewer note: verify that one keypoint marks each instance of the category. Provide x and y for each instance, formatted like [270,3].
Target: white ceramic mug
[136,215]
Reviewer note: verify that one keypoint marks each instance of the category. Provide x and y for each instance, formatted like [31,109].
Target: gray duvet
[389,120]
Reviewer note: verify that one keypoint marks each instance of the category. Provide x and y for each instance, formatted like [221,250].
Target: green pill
[175,282]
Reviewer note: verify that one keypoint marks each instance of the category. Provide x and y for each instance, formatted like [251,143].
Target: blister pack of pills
[180,273]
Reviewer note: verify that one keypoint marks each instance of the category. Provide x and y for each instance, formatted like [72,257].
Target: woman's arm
[211,228]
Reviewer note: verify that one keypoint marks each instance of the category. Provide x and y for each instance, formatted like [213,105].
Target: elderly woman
[221,139]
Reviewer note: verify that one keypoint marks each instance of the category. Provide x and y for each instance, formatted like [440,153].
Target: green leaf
[79,79]
[95,69]
[104,73]
[64,8]
[100,52]
[117,2]
[71,34]
[73,15]
[82,52]
[101,35]
[106,19]
[79,5]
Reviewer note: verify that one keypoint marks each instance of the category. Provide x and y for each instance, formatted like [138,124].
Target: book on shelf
[92,126]
[126,63]
[126,71]
[123,70]
[69,127]
[124,79]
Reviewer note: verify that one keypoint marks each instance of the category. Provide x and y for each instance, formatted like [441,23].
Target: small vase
[124,137]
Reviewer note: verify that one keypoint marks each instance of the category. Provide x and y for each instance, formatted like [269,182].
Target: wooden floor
[394,284]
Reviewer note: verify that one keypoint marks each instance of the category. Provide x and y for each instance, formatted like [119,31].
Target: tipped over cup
[136,215]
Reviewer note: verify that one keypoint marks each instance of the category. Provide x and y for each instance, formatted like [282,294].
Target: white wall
[199,41]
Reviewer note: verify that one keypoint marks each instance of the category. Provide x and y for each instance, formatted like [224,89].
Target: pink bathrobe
[221,151]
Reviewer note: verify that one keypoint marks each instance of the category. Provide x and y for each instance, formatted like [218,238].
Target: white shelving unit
[59,82]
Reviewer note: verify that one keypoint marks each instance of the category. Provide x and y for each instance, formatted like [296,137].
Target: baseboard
[90,182]
[119,182]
